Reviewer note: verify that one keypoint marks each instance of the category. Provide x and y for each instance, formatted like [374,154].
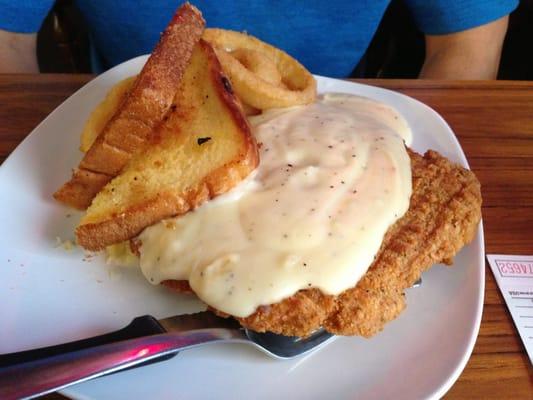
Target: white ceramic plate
[49,295]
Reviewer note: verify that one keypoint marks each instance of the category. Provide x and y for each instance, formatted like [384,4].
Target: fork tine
[284,347]
[417,283]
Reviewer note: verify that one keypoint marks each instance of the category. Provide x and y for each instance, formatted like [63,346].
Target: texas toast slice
[142,110]
[202,149]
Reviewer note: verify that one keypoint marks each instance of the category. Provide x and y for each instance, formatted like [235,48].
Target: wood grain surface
[494,123]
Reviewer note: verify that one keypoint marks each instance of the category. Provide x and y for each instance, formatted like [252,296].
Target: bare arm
[471,54]
[18,52]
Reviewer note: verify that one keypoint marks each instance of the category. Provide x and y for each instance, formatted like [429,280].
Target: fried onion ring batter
[260,64]
[250,73]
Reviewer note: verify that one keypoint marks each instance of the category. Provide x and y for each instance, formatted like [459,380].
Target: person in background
[463,38]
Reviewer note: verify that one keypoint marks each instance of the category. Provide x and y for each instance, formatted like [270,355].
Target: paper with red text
[514,275]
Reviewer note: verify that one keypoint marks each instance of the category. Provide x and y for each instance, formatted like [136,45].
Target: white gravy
[333,176]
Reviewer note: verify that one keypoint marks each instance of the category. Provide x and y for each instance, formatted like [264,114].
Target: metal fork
[44,375]
[36,372]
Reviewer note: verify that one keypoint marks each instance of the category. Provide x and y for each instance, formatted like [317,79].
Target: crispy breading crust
[443,215]
[148,101]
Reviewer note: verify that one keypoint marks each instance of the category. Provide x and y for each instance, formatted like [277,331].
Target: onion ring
[297,86]
[260,64]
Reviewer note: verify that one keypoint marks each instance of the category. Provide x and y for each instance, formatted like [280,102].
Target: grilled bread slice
[203,149]
[104,111]
[142,110]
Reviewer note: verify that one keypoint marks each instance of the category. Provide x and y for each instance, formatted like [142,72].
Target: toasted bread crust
[443,215]
[126,225]
[81,189]
[96,236]
[141,111]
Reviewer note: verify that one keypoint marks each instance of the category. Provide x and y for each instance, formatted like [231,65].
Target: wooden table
[494,123]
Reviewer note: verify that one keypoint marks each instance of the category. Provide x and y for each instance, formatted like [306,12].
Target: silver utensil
[33,373]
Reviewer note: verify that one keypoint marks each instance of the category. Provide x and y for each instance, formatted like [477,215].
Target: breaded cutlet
[443,215]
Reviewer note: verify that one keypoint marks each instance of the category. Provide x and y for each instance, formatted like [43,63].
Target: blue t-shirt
[328,37]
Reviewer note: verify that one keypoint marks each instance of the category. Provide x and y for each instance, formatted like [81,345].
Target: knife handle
[35,378]
[139,327]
